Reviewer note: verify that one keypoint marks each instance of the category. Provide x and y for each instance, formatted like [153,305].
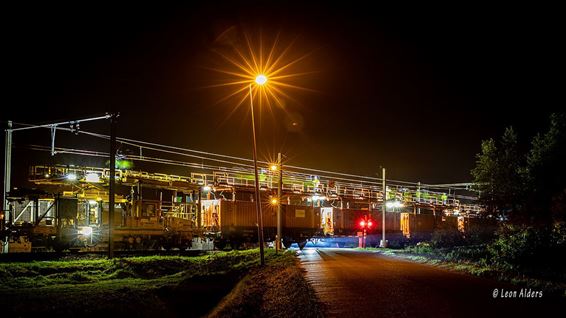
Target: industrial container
[450,222]
[301,216]
[237,213]
[237,221]
[346,221]
[243,213]
[418,226]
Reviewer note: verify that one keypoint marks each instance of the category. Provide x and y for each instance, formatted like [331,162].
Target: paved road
[358,284]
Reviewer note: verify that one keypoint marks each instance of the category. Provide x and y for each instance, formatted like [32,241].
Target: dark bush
[478,235]
[530,250]
[558,235]
[423,248]
[447,238]
[471,253]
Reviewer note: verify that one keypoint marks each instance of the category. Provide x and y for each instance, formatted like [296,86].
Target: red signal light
[370,224]
[362,223]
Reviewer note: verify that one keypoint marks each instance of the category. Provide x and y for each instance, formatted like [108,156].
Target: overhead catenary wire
[294,175]
[209,156]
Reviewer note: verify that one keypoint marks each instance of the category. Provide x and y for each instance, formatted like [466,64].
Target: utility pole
[112,190]
[7,179]
[279,190]
[7,166]
[383,241]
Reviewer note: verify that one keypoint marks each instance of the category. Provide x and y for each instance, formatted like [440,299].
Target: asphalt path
[354,283]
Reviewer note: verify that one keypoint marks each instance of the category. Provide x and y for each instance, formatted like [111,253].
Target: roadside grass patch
[162,286]
[277,290]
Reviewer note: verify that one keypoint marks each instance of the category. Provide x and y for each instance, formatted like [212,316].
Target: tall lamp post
[259,80]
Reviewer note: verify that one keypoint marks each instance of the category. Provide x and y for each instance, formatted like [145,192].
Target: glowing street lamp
[261,79]
[267,74]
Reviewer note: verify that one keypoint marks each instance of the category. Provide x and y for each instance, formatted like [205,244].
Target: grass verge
[277,290]
[165,286]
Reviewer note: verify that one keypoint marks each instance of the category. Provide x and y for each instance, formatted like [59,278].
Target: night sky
[412,89]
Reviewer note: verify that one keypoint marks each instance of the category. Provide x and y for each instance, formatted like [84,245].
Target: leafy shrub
[558,235]
[420,248]
[423,247]
[473,253]
[530,250]
[478,235]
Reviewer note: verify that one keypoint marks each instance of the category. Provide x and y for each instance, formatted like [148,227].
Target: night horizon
[397,90]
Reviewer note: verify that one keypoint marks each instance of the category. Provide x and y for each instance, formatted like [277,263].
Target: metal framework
[74,127]
[235,172]
[293,183]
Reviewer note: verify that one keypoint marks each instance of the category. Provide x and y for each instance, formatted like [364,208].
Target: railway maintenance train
[158,211]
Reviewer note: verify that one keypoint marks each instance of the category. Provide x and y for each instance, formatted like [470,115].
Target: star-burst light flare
[270,68]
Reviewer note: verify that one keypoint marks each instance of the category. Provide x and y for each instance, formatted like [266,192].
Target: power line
[144,145]
[356,185]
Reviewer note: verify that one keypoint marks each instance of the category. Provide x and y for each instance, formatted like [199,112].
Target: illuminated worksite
[211,205]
